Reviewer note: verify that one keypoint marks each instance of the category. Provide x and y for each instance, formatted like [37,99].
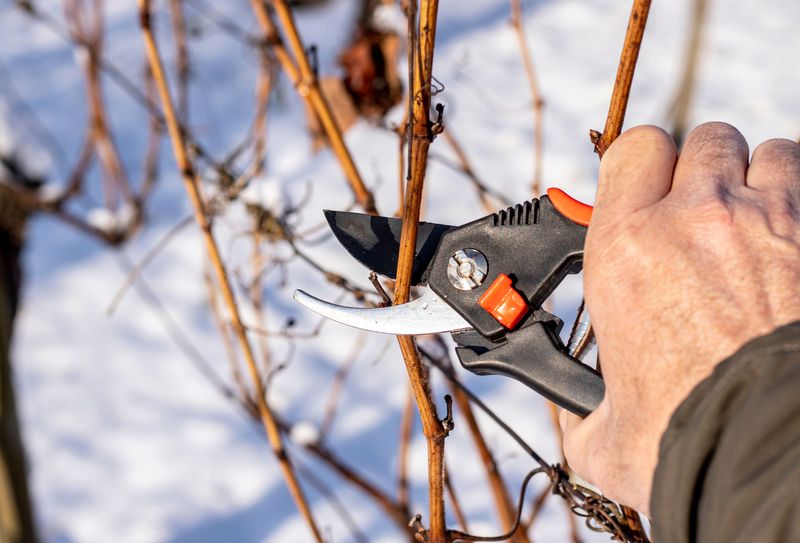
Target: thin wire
[450,376]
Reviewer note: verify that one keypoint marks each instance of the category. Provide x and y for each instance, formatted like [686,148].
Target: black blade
[375,241]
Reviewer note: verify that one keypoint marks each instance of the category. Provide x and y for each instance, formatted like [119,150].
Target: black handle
[535,356]
[532,243]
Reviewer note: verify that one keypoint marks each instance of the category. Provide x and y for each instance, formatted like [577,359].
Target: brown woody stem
[622,84]
[191,185]
[421,62]
[536,95]
[303,77]
[181,60]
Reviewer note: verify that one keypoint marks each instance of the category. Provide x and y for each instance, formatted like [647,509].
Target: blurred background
[132,399]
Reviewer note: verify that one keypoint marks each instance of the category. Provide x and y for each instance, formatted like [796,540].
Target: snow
[304,433]
[103,219]
[126,215]
[390,18]
[129,442]
[267,192]
[50,192]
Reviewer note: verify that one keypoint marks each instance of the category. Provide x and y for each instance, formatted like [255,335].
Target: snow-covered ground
[127,440]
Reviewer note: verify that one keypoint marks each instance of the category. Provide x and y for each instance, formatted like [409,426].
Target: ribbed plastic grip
[519,215]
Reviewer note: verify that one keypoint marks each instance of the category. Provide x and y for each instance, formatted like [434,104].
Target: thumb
[636,171]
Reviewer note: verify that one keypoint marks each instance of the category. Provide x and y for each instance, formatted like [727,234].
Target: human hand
[681,269]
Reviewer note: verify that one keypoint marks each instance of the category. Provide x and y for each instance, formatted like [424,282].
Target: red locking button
[503,302]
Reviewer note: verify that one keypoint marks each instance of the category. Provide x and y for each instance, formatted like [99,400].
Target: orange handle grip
[576,211]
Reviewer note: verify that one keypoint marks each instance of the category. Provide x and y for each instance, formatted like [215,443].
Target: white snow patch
[304,433]
[126,215]
[80,54]
[50,191]
[103,219]
[390,18]
[266,192]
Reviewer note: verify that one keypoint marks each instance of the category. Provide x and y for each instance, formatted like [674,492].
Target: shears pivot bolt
[467,269]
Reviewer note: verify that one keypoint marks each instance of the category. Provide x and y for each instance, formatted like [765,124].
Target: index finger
[636,170]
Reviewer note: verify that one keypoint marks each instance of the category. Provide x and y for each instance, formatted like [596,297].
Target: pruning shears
[485,283]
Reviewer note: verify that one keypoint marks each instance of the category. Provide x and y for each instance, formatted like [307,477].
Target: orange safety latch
[503,302]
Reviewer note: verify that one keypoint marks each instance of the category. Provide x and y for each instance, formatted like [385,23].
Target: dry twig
[455,502]
[191,184]
[396,513]
[506,509]
[489,198]
[181,60]
[305,80]
[622,84]
[406,431]
[87,32]
[679,110]
[337,386]
[536,95]
[421,66]
[256,292]
[155,133]
[227,340]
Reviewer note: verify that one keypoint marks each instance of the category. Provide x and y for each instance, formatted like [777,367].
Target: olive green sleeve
[729,463]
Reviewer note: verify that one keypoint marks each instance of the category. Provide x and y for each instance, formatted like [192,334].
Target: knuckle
[780,153]
[715,130]
[638,149]
[715,139]
[777,147]
[645,132]
[636,142]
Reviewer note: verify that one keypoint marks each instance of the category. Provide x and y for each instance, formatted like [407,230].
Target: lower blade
[375,241]
[428,314]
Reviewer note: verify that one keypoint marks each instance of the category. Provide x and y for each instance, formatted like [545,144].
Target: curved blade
[375,241]
[428,314]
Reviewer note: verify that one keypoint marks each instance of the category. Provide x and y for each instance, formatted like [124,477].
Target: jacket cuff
[725,421]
